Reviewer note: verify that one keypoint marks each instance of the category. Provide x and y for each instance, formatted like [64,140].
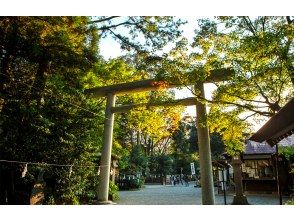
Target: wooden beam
[126,108]
[152,84]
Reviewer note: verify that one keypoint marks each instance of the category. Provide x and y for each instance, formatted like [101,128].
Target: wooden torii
[110,92]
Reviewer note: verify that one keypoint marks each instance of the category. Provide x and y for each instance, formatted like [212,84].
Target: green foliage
[185,146]
[136,183]
[161,164]
[217,145]
[131,182]
[124,161]
[287,152]
[230,127]
[41,69]
[113,191]
[141,34]
[138,160]
[185,140]
[259,50]
[290,202]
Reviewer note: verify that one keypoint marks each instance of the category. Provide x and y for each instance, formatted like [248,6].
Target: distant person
[172,180]
[177,179]
[197,182]
[181,178]
[186,180]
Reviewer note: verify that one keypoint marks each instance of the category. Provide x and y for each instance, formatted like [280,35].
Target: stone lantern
[239,197]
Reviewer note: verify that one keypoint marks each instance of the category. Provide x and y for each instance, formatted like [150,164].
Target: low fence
[155,179]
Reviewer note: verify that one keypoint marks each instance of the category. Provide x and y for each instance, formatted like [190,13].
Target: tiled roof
[288,141]
[253,147]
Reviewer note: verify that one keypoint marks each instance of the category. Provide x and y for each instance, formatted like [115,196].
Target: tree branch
[246,106]
[262,93]
[103,19]
[114,25]
[247,100]
[263,19]
[244,119]
[289,20]
[123,40]
[250,25]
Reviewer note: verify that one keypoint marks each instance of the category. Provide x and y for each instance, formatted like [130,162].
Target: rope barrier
[51,164]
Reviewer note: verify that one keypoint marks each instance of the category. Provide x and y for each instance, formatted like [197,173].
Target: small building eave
[280,126]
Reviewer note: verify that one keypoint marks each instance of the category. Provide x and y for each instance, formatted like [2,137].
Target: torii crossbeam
[148,85]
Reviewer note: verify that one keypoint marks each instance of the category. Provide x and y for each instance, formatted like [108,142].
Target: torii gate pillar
[206,175]
[105,162]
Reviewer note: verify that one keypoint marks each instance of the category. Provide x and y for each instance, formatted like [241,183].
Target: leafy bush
[132,183]
[290,202]
[113,191]
[288,152]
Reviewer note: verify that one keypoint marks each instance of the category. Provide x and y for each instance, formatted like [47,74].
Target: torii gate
[148,85]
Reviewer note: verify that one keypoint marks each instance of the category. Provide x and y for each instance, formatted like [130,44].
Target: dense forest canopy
[46,64]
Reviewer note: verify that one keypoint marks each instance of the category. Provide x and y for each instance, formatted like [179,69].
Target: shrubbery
[131,183]
[113,191]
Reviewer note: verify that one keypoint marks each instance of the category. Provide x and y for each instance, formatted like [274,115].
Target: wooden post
[206,176]
[224,185]
[105,163]
[278,175]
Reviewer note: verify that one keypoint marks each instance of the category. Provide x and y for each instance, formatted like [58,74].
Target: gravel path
[181,195]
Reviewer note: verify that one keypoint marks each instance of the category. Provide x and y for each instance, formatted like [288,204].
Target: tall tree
[42,62]
[260,50]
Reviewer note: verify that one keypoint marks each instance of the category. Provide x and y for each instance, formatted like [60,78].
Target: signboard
[192,168]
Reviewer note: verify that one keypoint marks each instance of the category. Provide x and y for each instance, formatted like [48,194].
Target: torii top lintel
[152,84]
